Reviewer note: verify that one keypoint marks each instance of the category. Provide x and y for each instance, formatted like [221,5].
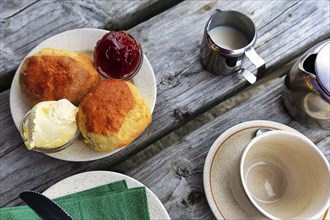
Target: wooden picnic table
[170,33]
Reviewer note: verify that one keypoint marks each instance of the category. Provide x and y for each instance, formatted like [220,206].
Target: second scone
[112,115]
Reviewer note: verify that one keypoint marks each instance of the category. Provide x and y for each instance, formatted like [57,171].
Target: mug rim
[241,173]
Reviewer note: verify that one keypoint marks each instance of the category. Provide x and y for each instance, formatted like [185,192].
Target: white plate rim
[18,107]
[65,187]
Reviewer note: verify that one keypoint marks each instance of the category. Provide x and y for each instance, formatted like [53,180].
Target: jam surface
[117,55]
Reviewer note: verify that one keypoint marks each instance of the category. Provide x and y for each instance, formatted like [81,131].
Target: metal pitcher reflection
[306,89]
[228,37]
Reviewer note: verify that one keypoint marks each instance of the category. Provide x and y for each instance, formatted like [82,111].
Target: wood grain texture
[171,41]
[172,45]
[175,175]
[24,24]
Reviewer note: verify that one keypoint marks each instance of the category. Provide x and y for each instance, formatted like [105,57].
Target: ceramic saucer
[221,157]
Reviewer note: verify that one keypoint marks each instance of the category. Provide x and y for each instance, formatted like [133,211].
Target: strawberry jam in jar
[117,55]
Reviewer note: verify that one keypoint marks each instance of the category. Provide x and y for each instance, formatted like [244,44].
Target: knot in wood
[183,167]
[195,197]
[181,113]
[168,80]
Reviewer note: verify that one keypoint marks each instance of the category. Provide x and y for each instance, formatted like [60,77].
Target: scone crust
[57,74]
[112,115]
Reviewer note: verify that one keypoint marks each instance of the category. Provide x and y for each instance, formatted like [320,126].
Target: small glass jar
[23,128]
[118,55]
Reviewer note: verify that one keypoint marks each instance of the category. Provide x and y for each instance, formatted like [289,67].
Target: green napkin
[111,201]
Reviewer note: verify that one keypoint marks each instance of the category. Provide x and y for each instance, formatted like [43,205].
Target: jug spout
[215,12]
[214,19]
[307,64]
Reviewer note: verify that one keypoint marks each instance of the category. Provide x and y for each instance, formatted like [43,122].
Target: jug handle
[258,62]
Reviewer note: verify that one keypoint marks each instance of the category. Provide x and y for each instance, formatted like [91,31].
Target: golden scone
[112,115]
[57,74]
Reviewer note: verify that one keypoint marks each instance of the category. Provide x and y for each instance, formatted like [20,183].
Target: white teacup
[282,175]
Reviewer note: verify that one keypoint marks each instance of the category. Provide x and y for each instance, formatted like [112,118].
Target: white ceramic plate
[82,40]
[88,180]
[221,157]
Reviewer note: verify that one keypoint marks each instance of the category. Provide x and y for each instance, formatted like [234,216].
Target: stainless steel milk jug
[222,58]
[306,89]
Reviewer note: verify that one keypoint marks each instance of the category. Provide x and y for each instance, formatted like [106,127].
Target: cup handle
[258,62]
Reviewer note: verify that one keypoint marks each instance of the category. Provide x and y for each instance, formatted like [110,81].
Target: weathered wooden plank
[185,89]
[24,24]
[175,174]
[171,41]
